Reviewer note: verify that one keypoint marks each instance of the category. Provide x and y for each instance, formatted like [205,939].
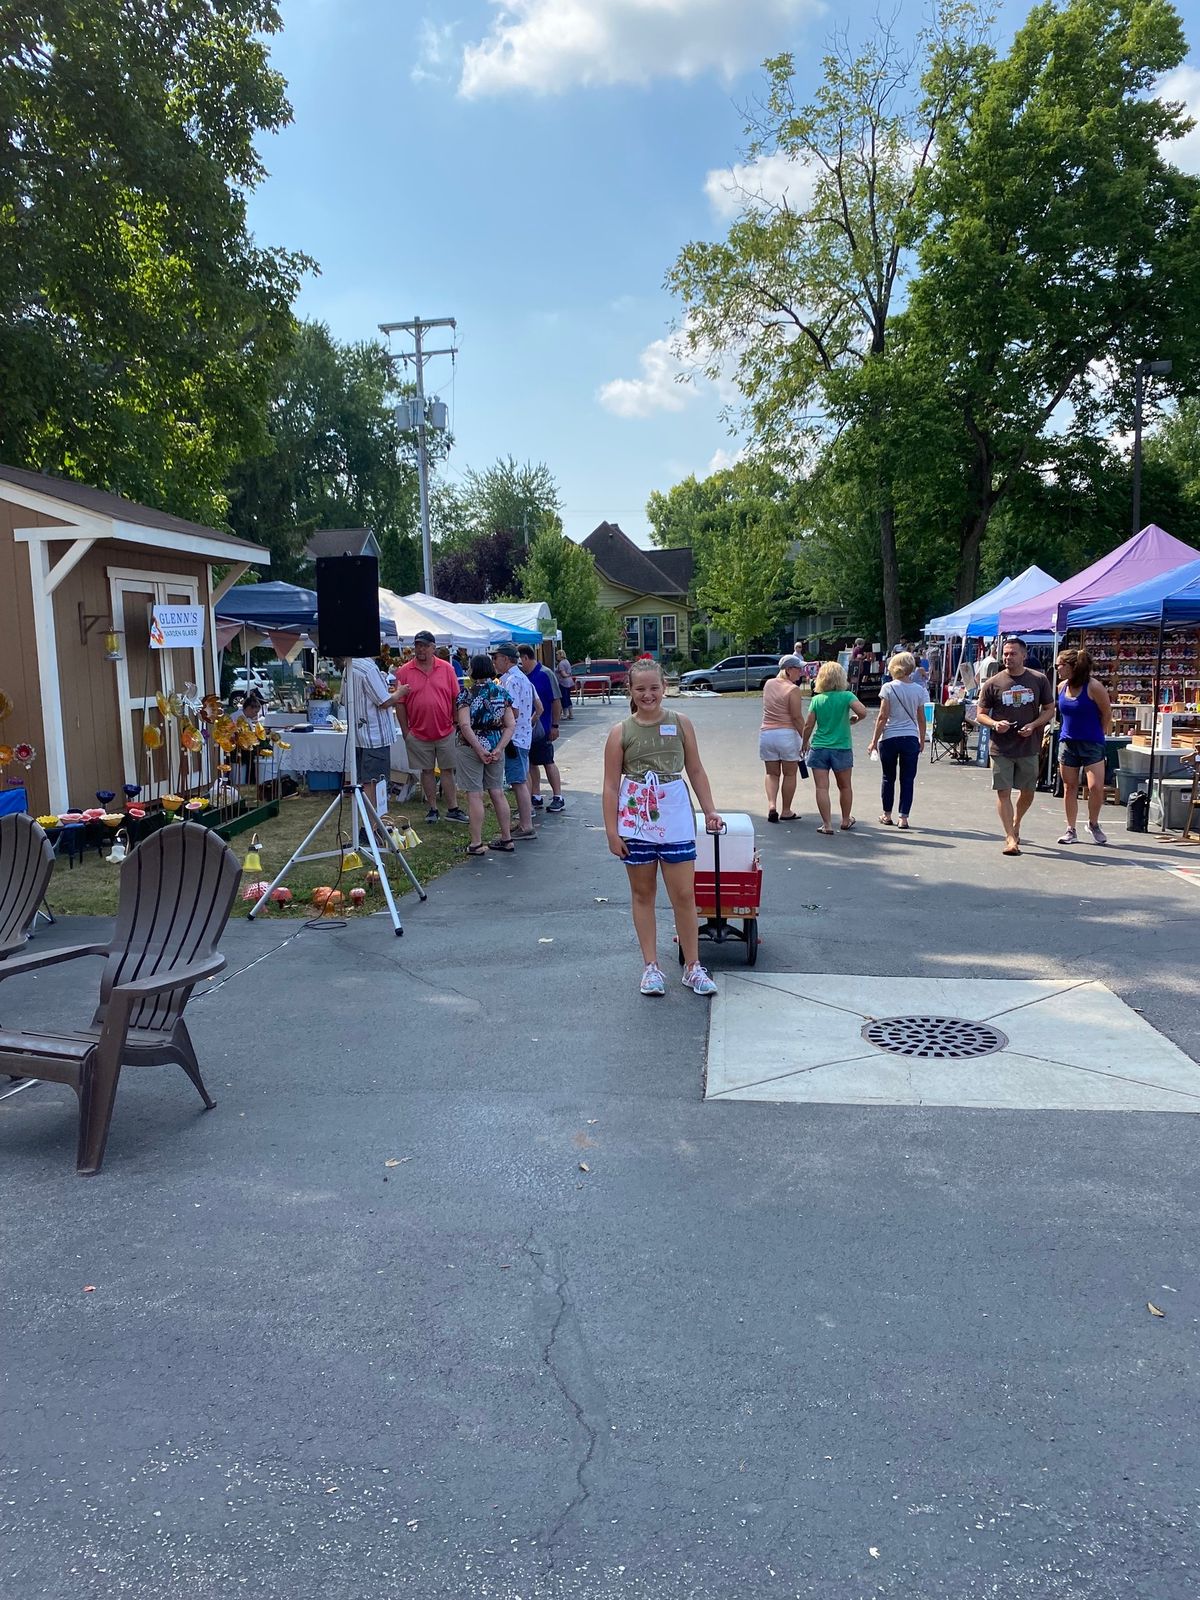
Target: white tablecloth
[325,752]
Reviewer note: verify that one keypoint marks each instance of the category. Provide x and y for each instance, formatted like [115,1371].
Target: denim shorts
[516,764]
[1080,752]
[644,854]
[833,760]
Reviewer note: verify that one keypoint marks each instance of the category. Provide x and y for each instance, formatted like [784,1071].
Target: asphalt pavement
[463,1289]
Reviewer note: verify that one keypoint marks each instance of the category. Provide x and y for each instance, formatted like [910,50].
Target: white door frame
[123,580]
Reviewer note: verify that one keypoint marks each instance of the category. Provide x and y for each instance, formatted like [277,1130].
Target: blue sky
[532,167]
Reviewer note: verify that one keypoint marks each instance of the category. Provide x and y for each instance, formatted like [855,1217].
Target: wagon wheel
[750,929]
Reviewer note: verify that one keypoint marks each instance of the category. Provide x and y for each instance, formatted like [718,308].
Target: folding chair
[948,736]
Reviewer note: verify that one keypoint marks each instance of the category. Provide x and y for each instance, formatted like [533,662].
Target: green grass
[89,889]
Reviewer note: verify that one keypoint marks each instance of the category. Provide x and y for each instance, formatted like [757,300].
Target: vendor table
[593,683]
[324,751]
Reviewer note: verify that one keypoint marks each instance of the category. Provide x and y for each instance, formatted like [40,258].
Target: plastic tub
[737,843]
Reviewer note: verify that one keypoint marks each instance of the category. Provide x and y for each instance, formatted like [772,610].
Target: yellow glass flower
[6,754]
[172,802]
[210,707]
[282,744]
[47,822]
[246,736]
[169,705]
[151,739]
[6,706]
[190,739]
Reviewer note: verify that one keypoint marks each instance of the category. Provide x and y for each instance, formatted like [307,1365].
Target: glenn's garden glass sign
[176,627]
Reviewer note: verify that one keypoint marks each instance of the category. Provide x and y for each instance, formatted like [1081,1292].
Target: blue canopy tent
[1170,599]
[277,608]
[981,619]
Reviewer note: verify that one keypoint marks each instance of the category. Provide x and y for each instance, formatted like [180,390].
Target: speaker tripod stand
[364,820]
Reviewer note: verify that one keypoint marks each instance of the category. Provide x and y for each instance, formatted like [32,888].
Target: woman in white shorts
[779,738]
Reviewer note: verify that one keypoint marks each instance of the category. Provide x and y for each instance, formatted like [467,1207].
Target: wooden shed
[76,565]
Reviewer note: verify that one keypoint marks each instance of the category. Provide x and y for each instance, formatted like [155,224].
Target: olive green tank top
[646,748]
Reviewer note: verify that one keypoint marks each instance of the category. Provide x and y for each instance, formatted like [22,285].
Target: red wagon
[725,898]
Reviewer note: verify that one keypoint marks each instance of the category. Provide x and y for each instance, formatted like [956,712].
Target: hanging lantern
[253,861]
[112,645]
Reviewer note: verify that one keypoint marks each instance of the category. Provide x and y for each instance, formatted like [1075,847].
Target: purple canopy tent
[1139,559]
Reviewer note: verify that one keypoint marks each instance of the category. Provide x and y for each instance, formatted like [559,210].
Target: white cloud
[659,388]
[765,182]
[721,460]
[1184,85]
[435,52]
[548,46]
[670,378]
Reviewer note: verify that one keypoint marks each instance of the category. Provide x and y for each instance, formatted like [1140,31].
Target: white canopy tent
[411,615]
[533,614]
[471,629]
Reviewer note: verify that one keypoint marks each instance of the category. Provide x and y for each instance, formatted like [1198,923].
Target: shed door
[142,672]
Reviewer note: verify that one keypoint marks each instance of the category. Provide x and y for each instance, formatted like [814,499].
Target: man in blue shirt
[541,751]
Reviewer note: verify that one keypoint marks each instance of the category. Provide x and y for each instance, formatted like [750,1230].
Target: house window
[669,640]
[633,634]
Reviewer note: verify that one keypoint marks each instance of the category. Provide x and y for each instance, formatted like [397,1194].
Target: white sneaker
[697,980]
[1070,837]
[1097,832]
[653,981]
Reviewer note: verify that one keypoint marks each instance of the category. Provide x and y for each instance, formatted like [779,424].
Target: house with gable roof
[648,590]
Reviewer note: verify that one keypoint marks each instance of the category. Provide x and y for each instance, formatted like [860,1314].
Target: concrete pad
[1071,1046]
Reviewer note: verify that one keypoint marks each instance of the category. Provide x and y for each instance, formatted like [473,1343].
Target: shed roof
[103,503]
[341,542]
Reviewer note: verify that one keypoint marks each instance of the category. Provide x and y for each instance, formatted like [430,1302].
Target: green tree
[563,574]
[1175,447]
[705,513]
[334,459]
[508,497]
[800,295]
[745,587]
[1062,247]
[139,321]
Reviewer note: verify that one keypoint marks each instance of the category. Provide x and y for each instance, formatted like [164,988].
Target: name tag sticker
[667,729]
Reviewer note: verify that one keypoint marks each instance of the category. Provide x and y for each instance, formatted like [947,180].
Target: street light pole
[1155,369]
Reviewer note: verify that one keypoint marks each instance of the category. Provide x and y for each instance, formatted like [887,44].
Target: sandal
[772,816]
[477,849]
[825,830]
[789,816]
[502,844]
[846,826]
[887,821]
[903,823]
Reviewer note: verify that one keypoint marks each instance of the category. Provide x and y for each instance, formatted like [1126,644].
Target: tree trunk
[970,541]
[891,575]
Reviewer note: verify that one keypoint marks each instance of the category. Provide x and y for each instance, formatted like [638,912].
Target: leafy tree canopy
[563,574]
[334,459]
[139,321]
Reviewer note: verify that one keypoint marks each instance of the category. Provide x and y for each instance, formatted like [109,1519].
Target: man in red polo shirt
[427,717]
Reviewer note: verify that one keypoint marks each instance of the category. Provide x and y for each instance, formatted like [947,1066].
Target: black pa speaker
[348,605]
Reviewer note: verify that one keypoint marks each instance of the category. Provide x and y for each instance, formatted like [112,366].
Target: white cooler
[737,843]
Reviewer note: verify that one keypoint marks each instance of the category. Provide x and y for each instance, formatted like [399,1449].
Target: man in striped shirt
[375,726]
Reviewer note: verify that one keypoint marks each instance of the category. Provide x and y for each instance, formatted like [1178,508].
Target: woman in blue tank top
[1086,713]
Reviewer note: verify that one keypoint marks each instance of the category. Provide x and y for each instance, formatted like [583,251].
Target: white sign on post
[176,627]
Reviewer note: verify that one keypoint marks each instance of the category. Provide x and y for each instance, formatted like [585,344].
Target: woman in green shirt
[827,746]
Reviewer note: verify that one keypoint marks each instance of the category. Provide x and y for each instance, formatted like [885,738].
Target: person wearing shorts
[566,682]
[780,736]
[527,708]
[1015,704]
[833,710]
[427,717]
[1086,714]
[485,727]
[650,824]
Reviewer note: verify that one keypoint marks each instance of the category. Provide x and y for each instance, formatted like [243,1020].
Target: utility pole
[419,356]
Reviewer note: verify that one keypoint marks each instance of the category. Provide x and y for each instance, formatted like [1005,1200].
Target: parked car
[244,681]
[732,673]
[615,671]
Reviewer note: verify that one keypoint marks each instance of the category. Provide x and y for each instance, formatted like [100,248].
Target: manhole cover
[934,1038]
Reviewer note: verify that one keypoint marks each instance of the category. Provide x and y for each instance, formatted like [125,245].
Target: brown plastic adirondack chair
[26,862]
[177,889]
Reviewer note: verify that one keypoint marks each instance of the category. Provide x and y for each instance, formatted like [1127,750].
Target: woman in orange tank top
[779,738]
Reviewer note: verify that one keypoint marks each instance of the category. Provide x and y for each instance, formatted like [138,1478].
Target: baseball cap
[424,637]
[508,651]
[790,661]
